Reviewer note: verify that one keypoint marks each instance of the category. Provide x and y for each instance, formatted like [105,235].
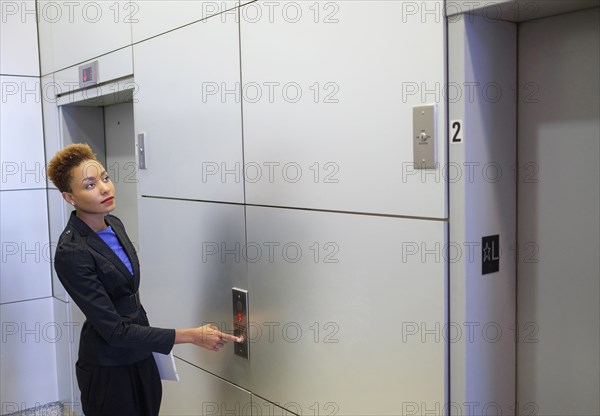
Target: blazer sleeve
[76,270]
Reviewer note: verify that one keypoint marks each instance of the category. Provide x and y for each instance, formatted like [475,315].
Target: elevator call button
[240,322]
[424,142]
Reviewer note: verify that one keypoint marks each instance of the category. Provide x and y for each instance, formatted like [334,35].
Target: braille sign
[490,254]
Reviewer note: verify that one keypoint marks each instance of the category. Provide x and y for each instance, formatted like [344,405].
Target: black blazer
[116,330]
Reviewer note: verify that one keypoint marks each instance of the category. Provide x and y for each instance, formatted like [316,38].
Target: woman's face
[92,191]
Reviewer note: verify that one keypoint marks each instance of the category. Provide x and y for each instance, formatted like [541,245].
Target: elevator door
[121,164]
[558,205]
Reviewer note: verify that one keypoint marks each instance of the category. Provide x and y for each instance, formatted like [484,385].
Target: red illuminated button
[239,317]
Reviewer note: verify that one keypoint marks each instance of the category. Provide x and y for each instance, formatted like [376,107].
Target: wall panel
[156,17]
[28,359]
[25,247]
[74,32]
[201,393]
[191,258]
[347,312]
[18,39]
[328,94]
[194,146]
[22,145]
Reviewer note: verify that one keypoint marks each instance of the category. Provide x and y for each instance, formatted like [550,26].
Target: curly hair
[60,168]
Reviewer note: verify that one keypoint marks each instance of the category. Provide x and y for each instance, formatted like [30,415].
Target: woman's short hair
[60,168]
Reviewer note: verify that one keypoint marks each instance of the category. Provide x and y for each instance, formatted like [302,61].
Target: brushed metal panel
[186,134]
[25,266]
[347,311]
[22,144]
[190,260]
[262,406]
[141,150]
[424,138]
[328,100]
[201,393]
[29,336]
[121,165]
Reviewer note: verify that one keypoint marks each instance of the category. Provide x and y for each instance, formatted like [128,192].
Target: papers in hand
[166,366]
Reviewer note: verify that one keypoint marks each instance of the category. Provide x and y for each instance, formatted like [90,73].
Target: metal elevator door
[121,164]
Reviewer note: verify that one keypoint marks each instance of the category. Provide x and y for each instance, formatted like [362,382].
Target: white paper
[166,366]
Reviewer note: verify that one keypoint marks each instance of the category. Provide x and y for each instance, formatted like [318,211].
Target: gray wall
[30,329]
[559,130]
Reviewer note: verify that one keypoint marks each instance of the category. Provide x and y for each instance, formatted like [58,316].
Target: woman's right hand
[206,336]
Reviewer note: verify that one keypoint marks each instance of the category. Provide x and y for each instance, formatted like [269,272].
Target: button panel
[424,143]
[240,322]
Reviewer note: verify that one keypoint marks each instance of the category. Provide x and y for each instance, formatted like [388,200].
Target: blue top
[110,238]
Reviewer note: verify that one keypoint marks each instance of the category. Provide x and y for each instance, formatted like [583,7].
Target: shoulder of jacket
[115,219]
[70,240]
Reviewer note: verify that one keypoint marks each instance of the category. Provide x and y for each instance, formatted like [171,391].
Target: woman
[98,266]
